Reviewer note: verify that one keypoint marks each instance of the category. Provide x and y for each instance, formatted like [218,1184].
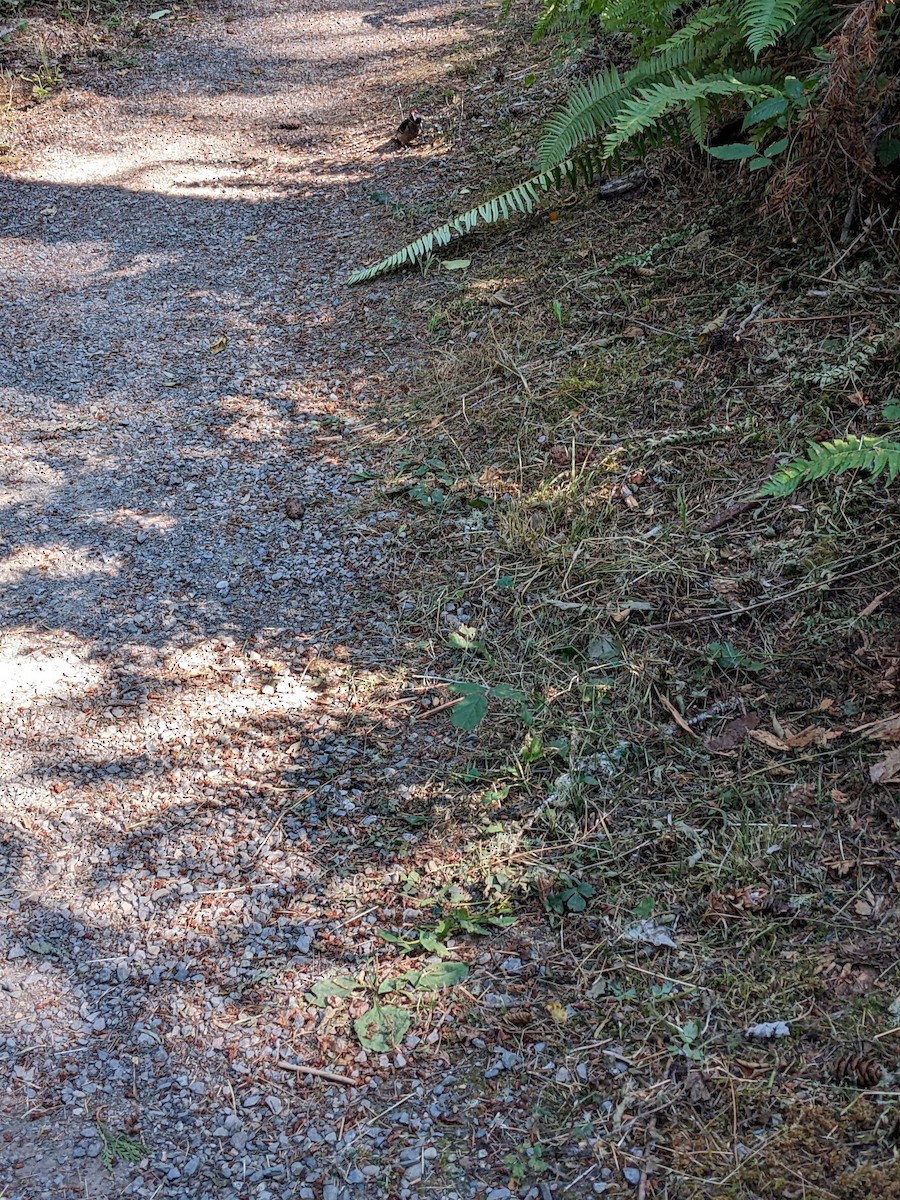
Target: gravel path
[197,621]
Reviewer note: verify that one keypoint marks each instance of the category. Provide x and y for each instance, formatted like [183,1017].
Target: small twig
[629,319]
[748,320]
[429,712]
[837,262]
[358,916]
[740,612]
[729,514]
[374,1120]
[331,1076]
[583,1175]
[818,317]
[848,219]
[873,604]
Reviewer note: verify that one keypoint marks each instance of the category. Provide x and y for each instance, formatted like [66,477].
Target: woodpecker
[408,129]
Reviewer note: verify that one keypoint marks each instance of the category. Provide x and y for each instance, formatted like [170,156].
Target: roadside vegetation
[649,580]
[649,485]
[43,45]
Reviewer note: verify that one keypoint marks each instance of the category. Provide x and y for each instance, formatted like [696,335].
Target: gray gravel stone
[188,764]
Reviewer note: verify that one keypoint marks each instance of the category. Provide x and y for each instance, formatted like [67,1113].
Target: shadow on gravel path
[208,785]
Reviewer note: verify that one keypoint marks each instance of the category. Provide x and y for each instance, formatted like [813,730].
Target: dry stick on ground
[818,317]
[430,712]
[628,319]
[319,1073]
[739,612]
[723,518]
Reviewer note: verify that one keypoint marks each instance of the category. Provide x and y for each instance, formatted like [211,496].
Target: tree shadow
[209,777]
[157,943]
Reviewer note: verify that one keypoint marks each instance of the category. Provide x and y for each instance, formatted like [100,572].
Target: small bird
[408,129]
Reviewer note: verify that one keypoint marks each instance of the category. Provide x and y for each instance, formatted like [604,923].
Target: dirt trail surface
[197,627]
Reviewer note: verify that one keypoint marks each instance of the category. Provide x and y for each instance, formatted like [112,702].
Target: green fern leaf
[668,60]
[596,105]
[620,14]
[813,22]
[698,115]
[523,198]
[652,105]
[830,459]
[712,16]
[764,21]
[565,16]
[590,107]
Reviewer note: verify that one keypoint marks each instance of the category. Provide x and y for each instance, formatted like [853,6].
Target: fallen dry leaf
[561,455]
[557,1011]
[696,1086]
[885,730]
[676,716]
[769,739]
[813,735]
[840,866]
[733,735]
[888,770]
[725,587]
[650,934]
[737,902]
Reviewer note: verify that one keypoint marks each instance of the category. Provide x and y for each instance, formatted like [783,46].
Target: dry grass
[607,392]
[43,45]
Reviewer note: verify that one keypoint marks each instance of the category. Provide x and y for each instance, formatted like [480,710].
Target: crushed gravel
[199,738]
[191,597]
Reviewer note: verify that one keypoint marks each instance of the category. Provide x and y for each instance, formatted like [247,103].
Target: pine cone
[857,1069]
[518,1017]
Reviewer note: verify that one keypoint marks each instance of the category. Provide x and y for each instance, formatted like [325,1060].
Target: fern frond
[829,459]
[814,20]
[646,111]
[622,14]
[667,60]
[596,105]
[711,16]
[698,118]
[764,21]
[560,16]
[591,106]
[523,198]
